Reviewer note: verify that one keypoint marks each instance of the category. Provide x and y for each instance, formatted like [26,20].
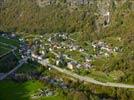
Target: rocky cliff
[103,7]
[1,2]
[61,15]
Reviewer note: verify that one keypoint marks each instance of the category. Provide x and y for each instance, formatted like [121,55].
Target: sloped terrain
[28,17]
[110,21]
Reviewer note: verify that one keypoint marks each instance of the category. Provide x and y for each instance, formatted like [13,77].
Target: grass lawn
[100,62]
[53,98]
[30,67]
[4,49]
[76,55]
[27,68]
[113,41]
[9,41]
[10,90]
[101,76]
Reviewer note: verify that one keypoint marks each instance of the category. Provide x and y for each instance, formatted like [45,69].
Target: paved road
[21,62]
[87,79]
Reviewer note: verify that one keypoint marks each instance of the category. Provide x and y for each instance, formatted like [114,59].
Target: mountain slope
[95,19]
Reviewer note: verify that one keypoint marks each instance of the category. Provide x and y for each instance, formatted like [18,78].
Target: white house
[57,62]
[71,65]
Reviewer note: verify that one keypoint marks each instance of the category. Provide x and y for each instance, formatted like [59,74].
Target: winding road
[85,78]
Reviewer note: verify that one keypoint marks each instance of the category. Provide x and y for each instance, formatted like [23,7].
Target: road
[21,62]
[85,78]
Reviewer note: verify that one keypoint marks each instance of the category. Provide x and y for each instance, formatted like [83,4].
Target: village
[23,50]
[66,50]
[61,50]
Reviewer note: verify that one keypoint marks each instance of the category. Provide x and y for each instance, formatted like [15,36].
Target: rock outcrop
[103,7]
[1,2]
[91,15]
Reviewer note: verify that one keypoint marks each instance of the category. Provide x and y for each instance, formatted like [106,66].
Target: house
[46,62]
[101,44]
[3,35]
[50,49]
[59,47]
[78,66]
[21,39]
[87,65]
[74,47]
[81,50]
[41,36]
[88,59]
[106,55]
[64,47]
[116,49]
[49,68]
[57,62]
[49,93]
[50,39]
[106,49]
[71,65]
[71,49]
[33,55]
[13,35]
[94,45]
[56,46]
[39,57]
[43,52]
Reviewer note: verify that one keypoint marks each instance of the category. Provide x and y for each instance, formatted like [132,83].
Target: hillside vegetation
[28,17]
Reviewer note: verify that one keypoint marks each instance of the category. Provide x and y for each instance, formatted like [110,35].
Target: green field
[4,49]
[5,45]
[9,60]
[10,90]
[9,41]
[30,67]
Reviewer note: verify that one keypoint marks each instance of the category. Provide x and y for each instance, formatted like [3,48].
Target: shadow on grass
[10,90]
